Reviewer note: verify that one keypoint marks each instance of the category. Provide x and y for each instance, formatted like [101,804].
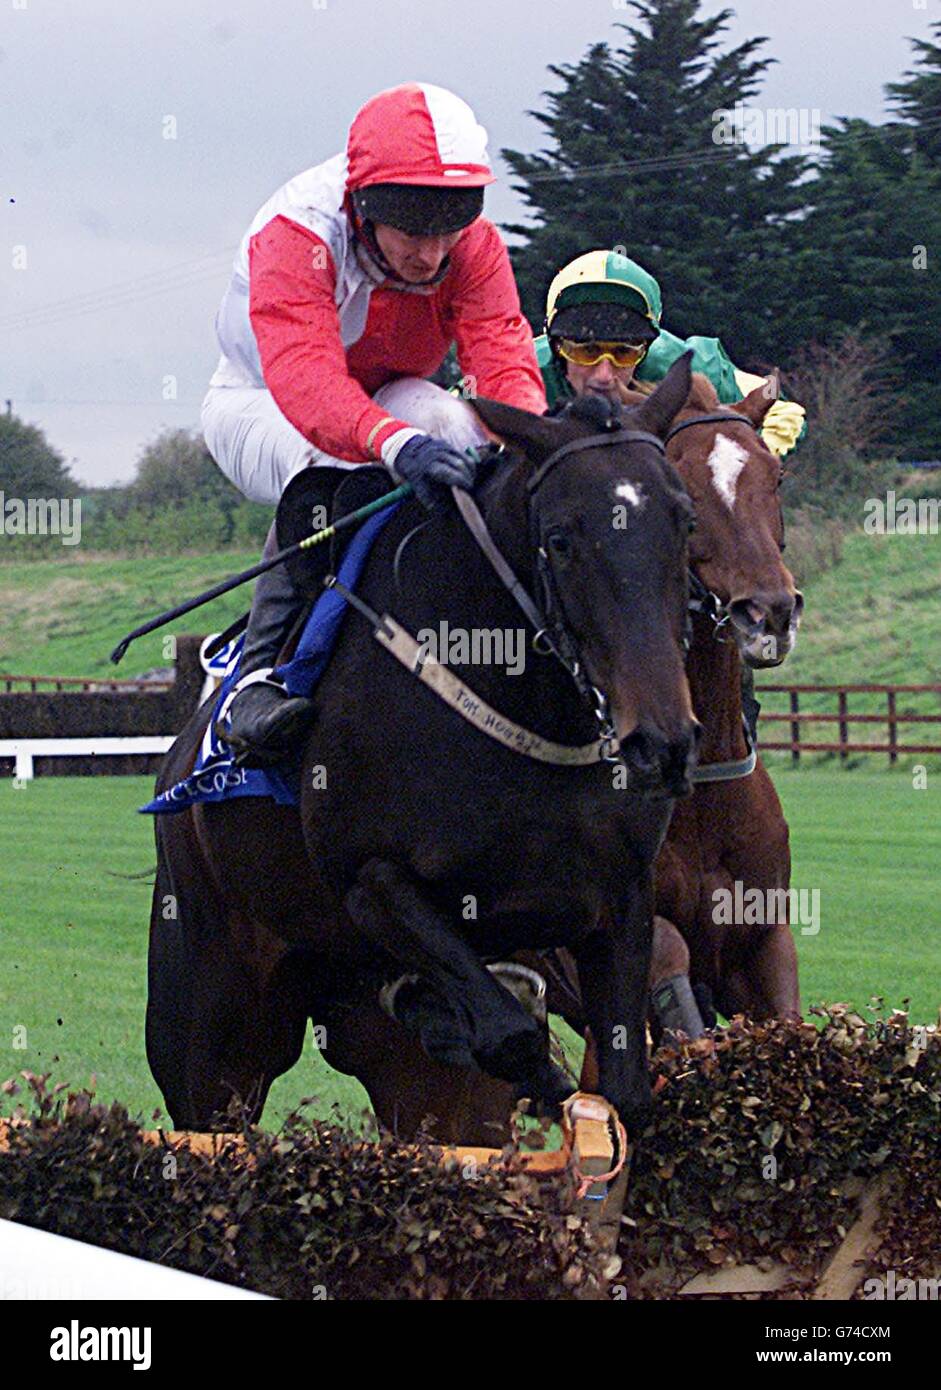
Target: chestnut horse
[732,831]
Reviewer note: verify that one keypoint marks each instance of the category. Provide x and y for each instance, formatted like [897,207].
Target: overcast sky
[128,235]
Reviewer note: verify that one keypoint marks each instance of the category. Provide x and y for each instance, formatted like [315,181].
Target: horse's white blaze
[630,493]
[726,461]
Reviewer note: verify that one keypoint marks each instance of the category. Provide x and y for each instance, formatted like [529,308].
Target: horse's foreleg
[763,981]
[392,911]
[614,972]
[673,1005]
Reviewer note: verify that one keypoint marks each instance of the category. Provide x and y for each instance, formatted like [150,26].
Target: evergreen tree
[918,99]
[635,159]
[873,235]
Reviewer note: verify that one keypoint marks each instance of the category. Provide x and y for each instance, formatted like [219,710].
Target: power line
[150,277]
[188,274]
[52,400]
[183,276]
[712,154]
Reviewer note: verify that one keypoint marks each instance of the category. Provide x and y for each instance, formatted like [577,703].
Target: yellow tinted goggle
[590,354]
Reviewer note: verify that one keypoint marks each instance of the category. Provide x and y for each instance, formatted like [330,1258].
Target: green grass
[871,843]
[63,617]
[874,617]
[73,933]
[73,944]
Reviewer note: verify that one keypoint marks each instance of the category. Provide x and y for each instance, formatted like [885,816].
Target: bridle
[553,636]
[702,599]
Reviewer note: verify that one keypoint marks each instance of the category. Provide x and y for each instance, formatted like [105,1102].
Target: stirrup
[254,753]
[259,677]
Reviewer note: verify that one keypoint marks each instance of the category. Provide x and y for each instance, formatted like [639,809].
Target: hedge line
[763,1140]
[766,1136]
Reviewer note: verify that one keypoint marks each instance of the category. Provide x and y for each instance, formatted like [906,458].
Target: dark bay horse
[726,830]
[422,844]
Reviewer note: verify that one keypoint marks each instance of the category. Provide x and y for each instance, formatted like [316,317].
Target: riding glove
[430,465]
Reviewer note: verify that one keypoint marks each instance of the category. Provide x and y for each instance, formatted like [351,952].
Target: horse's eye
[559,544]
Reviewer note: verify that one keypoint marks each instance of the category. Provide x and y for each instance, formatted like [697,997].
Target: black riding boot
[263,720]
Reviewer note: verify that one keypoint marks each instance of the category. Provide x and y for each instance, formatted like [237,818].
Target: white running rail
[24,750]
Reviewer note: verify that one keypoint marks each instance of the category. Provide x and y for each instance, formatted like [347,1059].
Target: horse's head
[604,520]
[735,552]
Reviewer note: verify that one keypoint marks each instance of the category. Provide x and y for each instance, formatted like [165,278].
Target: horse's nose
[775,613]
[656,761]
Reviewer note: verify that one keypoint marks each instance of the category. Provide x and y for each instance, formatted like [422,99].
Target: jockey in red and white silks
[314,321]
[348,289]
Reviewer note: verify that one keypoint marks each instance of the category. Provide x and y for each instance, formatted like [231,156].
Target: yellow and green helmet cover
[604,277]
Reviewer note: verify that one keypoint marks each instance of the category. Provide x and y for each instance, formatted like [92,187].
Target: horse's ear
[758,402]
[658,411]
[536,435]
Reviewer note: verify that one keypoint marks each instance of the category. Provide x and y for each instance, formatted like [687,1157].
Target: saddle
[311,496]
[315,494]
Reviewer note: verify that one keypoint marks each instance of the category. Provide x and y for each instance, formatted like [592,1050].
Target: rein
[551,633]
[456,693]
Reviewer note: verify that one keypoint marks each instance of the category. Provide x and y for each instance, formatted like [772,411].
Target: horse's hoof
[548,1091]
[411,1001]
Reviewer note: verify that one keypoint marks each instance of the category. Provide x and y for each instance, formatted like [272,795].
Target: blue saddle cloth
[215,776]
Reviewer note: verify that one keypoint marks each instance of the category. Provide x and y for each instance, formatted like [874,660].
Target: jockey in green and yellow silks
[603,330]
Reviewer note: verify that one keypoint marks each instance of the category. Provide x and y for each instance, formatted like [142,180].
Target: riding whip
[317,538]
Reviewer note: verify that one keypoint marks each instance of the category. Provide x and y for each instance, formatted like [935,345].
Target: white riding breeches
[259,450]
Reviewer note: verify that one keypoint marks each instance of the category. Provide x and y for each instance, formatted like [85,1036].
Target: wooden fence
[891,718]
[797,719]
